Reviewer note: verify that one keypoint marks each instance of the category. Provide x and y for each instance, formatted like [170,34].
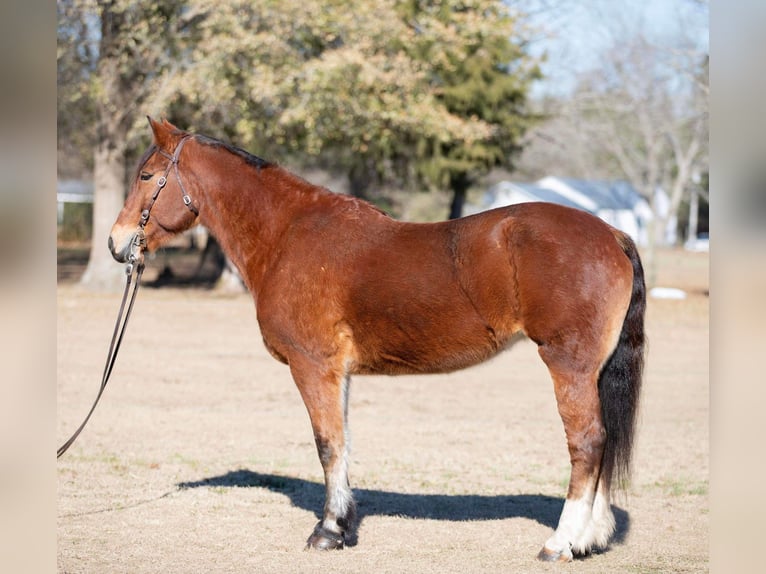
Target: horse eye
[146,176]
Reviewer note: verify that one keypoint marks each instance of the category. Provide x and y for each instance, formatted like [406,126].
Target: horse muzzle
[127,247]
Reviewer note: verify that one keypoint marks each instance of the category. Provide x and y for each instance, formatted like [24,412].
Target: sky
[580,33]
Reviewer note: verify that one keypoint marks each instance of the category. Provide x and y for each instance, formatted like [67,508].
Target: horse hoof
[547,555]
[323,539]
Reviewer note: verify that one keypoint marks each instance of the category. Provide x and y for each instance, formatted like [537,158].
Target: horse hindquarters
[601,457]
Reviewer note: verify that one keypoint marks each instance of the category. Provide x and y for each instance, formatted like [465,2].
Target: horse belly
[436,341]
[450,304]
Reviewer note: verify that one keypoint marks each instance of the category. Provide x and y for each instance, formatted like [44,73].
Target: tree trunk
[656,228]
[103,272]
[691,235]
[359,179]
[459,186]
[115,100]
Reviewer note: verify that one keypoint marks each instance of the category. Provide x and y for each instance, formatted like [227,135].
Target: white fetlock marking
[574,520]
[601,526]
[339,497]
[339,494]
[331,525]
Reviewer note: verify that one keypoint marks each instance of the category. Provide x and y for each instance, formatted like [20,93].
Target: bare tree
[646,114]
[642,115]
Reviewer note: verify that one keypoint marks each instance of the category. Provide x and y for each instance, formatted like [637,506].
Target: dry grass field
[200,457]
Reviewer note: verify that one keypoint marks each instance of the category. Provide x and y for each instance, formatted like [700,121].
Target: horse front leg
[325,394]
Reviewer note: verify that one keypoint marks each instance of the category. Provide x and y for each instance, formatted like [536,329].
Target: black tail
[619,384]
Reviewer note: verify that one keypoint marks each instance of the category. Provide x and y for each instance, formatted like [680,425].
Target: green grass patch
[681,486]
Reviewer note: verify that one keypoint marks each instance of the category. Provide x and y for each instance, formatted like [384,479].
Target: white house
[616,202]
[510,193]
[72,191]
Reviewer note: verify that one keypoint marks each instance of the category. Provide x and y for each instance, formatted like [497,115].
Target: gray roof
[74,190]
[547,195]
[606,194]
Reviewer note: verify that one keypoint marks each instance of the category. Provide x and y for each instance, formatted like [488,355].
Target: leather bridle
[139,240]
[135,265]
[172,164]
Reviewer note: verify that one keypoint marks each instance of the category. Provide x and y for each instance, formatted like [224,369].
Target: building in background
[615,202]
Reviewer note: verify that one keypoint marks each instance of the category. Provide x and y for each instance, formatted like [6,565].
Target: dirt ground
[200,457]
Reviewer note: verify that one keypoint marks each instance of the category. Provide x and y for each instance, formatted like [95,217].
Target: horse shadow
[309,496]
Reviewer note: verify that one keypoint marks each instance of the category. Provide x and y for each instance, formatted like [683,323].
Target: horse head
[158,206]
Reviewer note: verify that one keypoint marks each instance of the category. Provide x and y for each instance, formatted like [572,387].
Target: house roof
[597,197]
[613,195]
[546,194]
[615,202]
[74,191]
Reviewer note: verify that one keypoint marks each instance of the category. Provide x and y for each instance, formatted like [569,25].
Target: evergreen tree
[484,77]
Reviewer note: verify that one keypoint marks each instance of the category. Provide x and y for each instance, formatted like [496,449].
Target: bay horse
[341,289]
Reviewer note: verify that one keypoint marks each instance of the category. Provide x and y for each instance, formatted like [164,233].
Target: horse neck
[248,209]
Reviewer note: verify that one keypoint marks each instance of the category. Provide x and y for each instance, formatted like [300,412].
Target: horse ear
[165,134]
[168,125]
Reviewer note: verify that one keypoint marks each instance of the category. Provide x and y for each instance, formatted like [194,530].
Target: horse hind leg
[326,398]
[586,520]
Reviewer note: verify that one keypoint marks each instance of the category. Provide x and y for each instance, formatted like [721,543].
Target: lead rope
[136,264]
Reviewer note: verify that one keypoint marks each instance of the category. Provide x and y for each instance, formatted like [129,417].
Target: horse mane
[251,159]
[261,163]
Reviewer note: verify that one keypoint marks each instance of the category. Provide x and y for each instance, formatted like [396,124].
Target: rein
[114,346]
[135,267]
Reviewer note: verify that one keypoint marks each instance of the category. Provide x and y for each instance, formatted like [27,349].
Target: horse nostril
[110,244]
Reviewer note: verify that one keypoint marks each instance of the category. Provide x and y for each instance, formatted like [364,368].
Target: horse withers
[342,289]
